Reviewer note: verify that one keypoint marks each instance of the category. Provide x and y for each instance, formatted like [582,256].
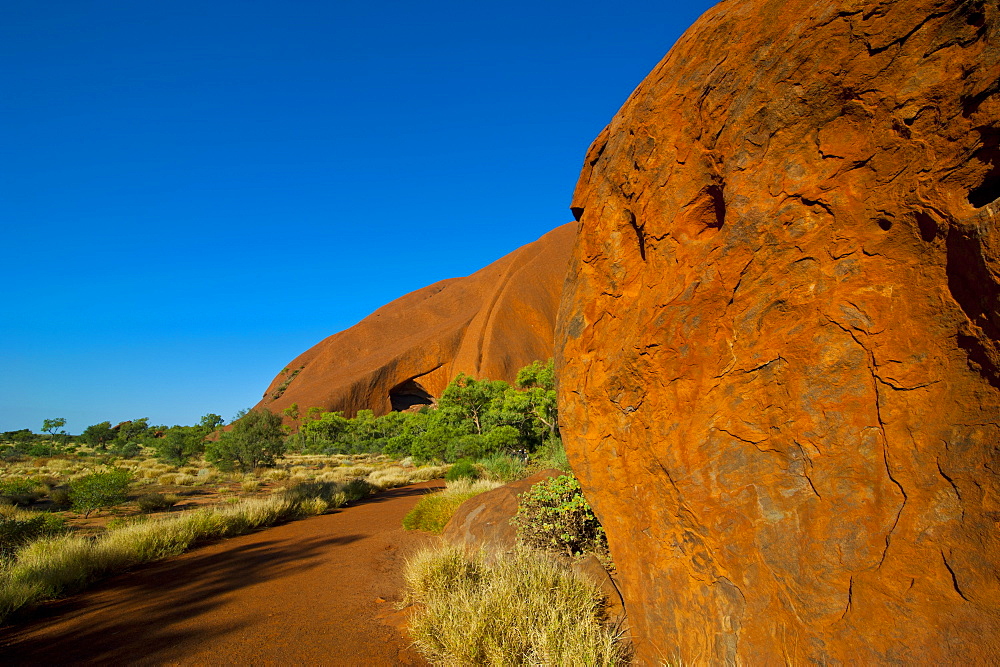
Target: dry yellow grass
[511,609]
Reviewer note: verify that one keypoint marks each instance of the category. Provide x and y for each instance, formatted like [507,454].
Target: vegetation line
[53,566]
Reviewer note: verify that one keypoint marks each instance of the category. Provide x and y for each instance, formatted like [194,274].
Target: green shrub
[60,497]
[21,491]
[17,528]
[517,608]
[100,490]
[156,502]
[554,515]
[462,468]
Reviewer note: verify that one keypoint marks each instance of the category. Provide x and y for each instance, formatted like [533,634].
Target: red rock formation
[489,324]
[779,346]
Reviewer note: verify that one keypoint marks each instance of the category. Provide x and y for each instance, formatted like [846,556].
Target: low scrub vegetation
[47,567]
[520,608]
[554,515]
[434,510]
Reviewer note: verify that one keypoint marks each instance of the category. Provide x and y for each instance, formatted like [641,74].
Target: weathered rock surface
[490,324]
[483,522]
[779,348]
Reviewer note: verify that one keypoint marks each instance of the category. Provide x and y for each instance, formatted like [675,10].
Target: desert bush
[433,511]
[156,502]
[99,490]
[250,485]
[462,468]
[516,608]
[357,488]
[503,467]
[554,515]
[18,527]
[21,490]
[60,497]
[255,441]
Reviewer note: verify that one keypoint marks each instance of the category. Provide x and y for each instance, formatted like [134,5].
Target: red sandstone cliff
[489,324]
[779,346]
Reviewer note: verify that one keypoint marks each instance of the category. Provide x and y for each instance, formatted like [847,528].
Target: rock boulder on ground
[487,325]
[779,347]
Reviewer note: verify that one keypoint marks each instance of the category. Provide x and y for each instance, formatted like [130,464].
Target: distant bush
[554,515]
[516,608]
[17,528]
[100,490]
[21,491]
[60,497]
[156,502]
[462,468]
[358,488]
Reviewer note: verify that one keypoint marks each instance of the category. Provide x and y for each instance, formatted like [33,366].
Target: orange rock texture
[779,344]
[489,324]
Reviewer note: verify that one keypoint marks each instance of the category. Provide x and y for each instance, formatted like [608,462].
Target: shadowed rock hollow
[778,347]
[490,324]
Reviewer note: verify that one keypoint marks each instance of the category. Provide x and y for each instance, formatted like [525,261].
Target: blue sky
[193,193]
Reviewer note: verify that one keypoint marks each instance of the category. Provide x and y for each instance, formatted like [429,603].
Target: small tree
[255,440]
[99,435]
[50,426]
[99,490]
[210,422]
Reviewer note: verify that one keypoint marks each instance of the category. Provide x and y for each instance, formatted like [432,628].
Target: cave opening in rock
[409,394]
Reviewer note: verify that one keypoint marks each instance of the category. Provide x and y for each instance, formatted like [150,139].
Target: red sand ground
[310,592]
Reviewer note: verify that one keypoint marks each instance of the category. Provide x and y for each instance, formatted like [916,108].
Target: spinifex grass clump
[519,608]
[434,510]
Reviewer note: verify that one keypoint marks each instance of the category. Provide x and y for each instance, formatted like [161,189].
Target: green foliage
[99,435]
[255,441]
[19,528]
[210,422]
[554,514]
[21,490]
[463,468]
[100,490]
[475,419]
[60,497]
[180,443]
[50,426]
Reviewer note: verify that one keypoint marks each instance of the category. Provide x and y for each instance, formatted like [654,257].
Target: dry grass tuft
[516,608]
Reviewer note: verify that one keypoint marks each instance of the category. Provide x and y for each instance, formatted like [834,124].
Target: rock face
[483,522]
[489,324]
[779,346]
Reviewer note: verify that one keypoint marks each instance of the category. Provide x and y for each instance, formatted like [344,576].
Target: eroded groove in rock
[785,405]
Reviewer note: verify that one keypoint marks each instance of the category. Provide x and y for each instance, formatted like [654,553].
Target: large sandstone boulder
[780,341]
[490,324]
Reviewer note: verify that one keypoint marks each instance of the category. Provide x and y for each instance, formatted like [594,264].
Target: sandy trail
[310,592]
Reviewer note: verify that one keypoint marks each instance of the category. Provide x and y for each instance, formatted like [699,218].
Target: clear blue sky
[193,193]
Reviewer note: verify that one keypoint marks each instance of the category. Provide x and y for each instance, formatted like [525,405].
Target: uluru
[778,349]
[487,325]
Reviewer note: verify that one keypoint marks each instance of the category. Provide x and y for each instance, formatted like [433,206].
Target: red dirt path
[309,592]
